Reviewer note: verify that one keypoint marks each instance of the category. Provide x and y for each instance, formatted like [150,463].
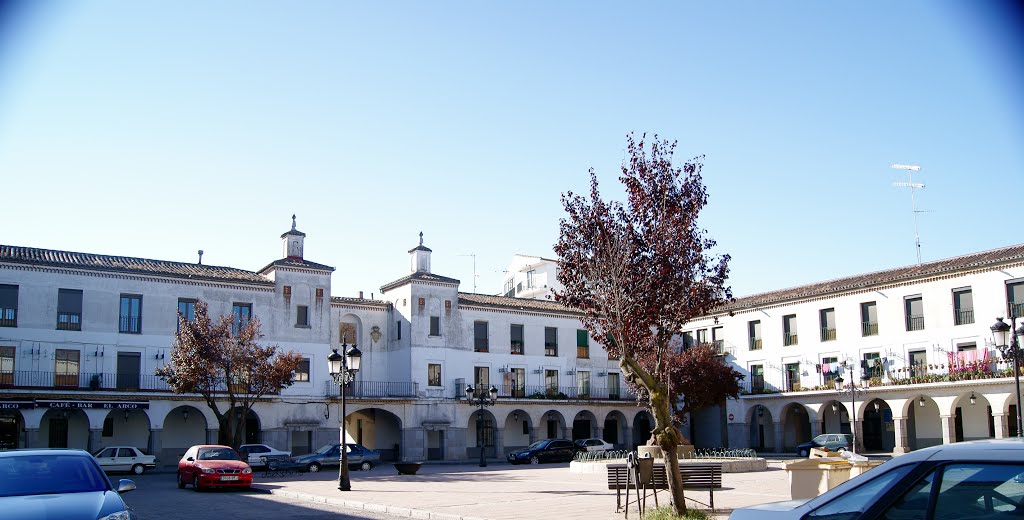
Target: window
[757,379]
[434,374]
[482,381]
[551,382]
[789,336]
[69,309]
[829,377]
[914,312]
[398,329]
[868,319]
[516,380]
[965,490]
[857,500]
[7,365]
[510,290]
[963,306]
[702,336]
[302,371]
[613,385]
[530,275]
[108,431]
[347,332]
[302,316]
[486,429]
[718,338]
[792,377]
[186,311]
[918,363]
[872,365]
[754,334]
[582,344]
[1014,297]
[583,384]
[827,319]
[688,340]
[435,326]
[8,305]
[241,315]
[516,333]
[131,314]
[480,336]
[65,371]
[550,341]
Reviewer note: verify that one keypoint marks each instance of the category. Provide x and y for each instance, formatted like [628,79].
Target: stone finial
[293,222]
[421,238]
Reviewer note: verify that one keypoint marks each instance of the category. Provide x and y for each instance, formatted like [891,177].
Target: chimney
[360,295]
[200,257]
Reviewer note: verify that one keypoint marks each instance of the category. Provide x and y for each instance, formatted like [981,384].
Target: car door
[107,458]
[186,467]
[332,458]
[126,458]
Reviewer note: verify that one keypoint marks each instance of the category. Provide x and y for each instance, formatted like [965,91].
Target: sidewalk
[505,492]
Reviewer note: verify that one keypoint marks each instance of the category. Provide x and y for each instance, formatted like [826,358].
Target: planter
[683,451]
[408,468]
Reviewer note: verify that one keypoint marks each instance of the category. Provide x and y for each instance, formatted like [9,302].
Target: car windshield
[217,454]
[49,475]
[821,438]
[325,449]
[538,444]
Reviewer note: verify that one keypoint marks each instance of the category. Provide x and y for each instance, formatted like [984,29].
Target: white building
[81,335]
[532,277]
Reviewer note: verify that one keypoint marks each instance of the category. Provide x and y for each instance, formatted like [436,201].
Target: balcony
[789,339]
[517,347]
[755,343]
[828,334]
[915,322]
[373,389]
[8,317]
[130,325]
[69,321]
[545,392]
[38,380]
[963,316]
[869,328]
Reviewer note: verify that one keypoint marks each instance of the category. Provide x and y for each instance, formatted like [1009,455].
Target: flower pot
[408,468]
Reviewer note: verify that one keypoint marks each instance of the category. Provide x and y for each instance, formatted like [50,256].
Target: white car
[254,453]
[965,480]
[124,458]
[594,445]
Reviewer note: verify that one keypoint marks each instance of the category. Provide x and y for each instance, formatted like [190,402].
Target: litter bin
[860,467]
[812,477]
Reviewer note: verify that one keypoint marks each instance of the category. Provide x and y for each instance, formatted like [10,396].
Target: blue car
[59,483]
[359,457]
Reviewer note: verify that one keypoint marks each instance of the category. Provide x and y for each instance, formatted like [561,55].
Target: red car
[213,466]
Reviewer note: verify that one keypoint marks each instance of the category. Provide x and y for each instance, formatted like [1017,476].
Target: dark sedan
[359,457]
[59,483]
[832,441]
[547,450]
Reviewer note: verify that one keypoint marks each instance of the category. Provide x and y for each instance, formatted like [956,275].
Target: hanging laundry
[825,368]
[818,368]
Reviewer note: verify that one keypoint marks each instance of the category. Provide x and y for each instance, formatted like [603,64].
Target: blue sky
[153,129]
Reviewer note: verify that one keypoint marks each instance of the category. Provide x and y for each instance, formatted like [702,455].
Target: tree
[701,378]
[639,271]
[207,359]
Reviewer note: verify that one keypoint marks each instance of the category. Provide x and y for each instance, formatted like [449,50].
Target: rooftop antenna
[474,270]
[913,186]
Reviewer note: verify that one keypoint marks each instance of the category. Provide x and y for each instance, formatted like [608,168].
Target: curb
[420,514]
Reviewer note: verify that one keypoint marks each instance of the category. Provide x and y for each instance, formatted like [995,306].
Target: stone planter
[684,451]
[408,468]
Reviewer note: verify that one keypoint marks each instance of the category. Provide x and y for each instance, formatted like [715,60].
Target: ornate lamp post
[853,390]
[343,369]
[1005,339]
[483,401]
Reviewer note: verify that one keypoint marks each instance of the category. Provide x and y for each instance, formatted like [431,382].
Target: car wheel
[534,460]
[181,485]
[366,466]
[195,483]
[841,449]
[138,469]
[313,467]
[803,452]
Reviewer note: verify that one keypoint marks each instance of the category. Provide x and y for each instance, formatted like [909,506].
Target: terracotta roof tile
[421,276]
[506,302]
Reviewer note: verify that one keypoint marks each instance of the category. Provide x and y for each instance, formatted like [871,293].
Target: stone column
[777,430]
[95,439]
[413,446]
[816,428]
[32,439]
[860,434]
[899,424]
[211,435]
[156,443]
[499,443]
[599,432]
[534,435]
[627,436]
[1002,425]
[948,425]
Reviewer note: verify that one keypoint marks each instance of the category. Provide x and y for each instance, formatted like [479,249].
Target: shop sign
[17,405]
[103,405]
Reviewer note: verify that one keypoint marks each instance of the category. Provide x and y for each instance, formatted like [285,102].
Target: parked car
[547,450]
[964,480]
[832,441]
[40,484]
[594,445]
[255,454]
[124,458]
[359,457]
[206,466]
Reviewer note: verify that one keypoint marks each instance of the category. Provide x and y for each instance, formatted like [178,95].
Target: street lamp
[483,401]
[853,390]
[343,370]
[1005,339]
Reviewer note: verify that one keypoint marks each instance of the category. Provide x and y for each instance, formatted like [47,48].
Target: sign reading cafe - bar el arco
[108,405]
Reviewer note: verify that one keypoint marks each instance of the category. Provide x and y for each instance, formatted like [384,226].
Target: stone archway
[377,429]
[614,429]
[762,432]
[643,425]
[584,425]
[516,431]
[796,426]
[12,423]
[480,434]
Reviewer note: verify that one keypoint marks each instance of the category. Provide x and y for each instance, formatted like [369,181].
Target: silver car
[330,455]
[965,480]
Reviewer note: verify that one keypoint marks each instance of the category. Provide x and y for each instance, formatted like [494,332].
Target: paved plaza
[504,492]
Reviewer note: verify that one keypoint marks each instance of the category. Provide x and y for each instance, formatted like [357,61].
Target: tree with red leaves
[206,359]
[641,270]
[699,375]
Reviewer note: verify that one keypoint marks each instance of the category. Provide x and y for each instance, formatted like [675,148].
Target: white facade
[532,277]
[76,361]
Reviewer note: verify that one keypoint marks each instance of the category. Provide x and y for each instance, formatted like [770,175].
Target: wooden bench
[696,475]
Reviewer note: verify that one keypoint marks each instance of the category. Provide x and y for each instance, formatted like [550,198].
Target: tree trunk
[667,437]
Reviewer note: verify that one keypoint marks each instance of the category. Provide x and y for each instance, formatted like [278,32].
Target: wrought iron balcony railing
[372,389]
[591,393]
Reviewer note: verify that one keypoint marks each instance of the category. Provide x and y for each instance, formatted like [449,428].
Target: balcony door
[129,367]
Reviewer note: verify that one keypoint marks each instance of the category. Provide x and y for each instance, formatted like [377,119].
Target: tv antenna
[913,202]
[474,270]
